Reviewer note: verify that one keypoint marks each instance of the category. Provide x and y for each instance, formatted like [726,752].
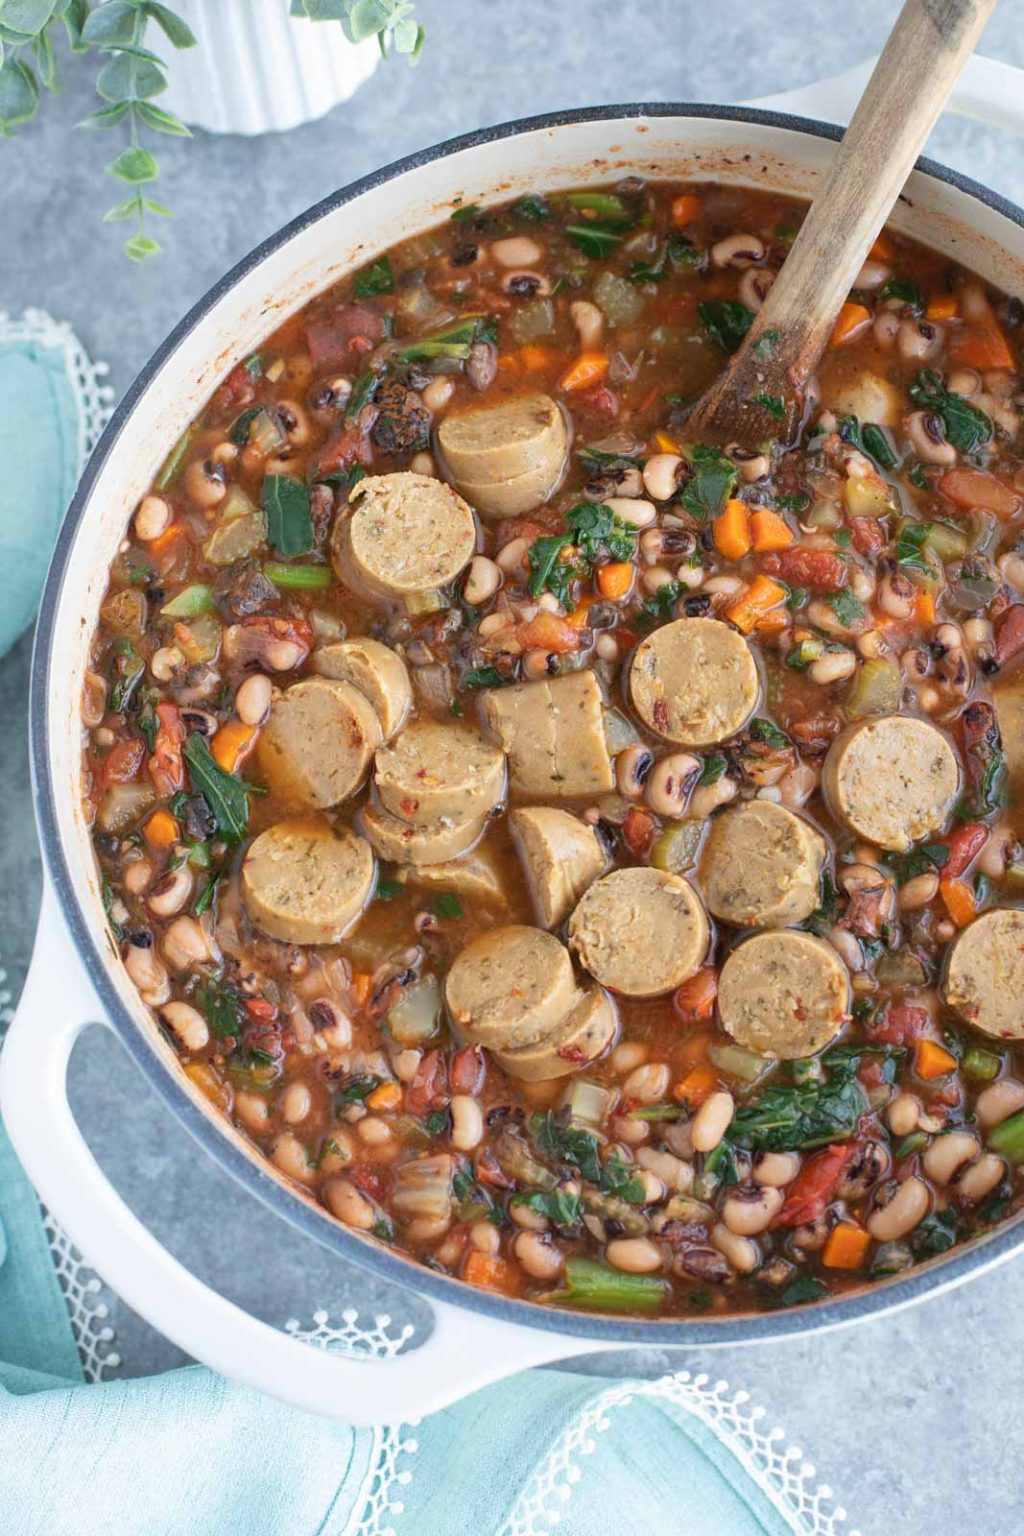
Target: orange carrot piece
[772,623]
[161,830]
[534,357]
[731,530]
[847,1247]
[362,985]
[167,540]
[695,1087]
[759,599]
[981,344]
[850,322]
[931,1060]
[386,1096]
[924,608]
[665,443]
[968,487]
[769,531]
[579,618]
[883,248]
[232,744]
[548,632]
[490,1274]
[959,901]
[695,998]
[685,209]
[943,307]
[615,579]
[589,368]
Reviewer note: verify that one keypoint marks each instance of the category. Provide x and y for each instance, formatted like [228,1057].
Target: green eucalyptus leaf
[125,78]
[141,246]
[162,121]
[171,25]
[135,165]
[113,22]
[157,208]
[106,117]
[28,17]
[75,16]
[121,211]
[19,93]
[46,62]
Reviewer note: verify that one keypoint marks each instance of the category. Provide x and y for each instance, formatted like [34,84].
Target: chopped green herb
[376,278]
[128,669]
[227,796]
[847,608]
[531,208]
[107,893]
[659,608]
[563,1209]
[910,542]
[223,1007]
[773,404]
[803,1290]
[356,1089]
[254,366]
[482,677]
[763,730]
[455,341]
[205,899]
[796,598]
[363,391]
[764,346]
[465,213]
[726,321]
[289,524]
[877,446]
[711,483]
[788,1118]
[919,861]
[903,288]
[448,904]
[714,767]
[387,890]
[608,204]
[149,724]
[965,426]
[598,237]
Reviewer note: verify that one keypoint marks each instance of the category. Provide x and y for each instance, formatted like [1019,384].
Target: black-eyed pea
[205,483]
[346,1203]
[137,876]
[336,1154]
[750,1210]
[633,1132]
[742,1252]
[526,1217]
[627,1055]
[373,1132]
[918,892]
[296,1103]
[634,1255]
[898,1210]
[171,892]
[673,1172]
[669,784]
[186,945]
[647,1084]
[424,1230]
[485,1238]
[253,699]
[980,1178]
[152,519]
[739,251]
[776,1169]
[146,970]
[538,1255]
[187,1025]
[903,1114]
[467,1122]
[632,767]
[946,1154]
[661,475]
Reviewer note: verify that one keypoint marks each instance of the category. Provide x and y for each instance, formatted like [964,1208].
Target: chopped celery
[533,321]
[735,1060]
[189,603]
[299,577]
[900,968]
[1007,1138]
[676,849]
[808,1069]
[236,539]
[654,1112]
[173,461]
[949,543]
[619,732]
[605,203]
[588,1103]
[235,504]
[912,1143]
[599,1288]
[199,639]
[982,1065]
[426,602]
[415,1017]
[617,299]
[876,690]
[801,656]
[423,1187]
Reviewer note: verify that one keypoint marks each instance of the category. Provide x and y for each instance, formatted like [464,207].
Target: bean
[907,1205]
[525,1216]
[483,579]
[903,1114]
[437,393]
[724,586]
[652,1187]
[754,288]
[647,1084]
[712,1120]
[337,1152]
[345,1202]
[171,892]
[833,667]
[252,1109]
[708,797]
[537,665]
[632,767]
[886,328]
[963,381]
[798,785]
[485,1238]
[538,1256]
[871,644]
[748,1211]
[896,595]
[152,519]
[252,701]
[187,1023]
[776,1168]
[998,1101]
[516,251]
[511,557]
[296,1103]
[661,475]
[919,341]
[743,1255]
[655,578]
[467,1122]
[289,1154]
[205,483]
[1011,569]
[690,574]
[606,647]
[634,1255]
[167,663]
[628,1055]
[918,892]
[872,275]
[633,1132]
[423,464]
[186,945]
[671,779]
[672,1171]
[737,251]
[373,1131]
[423,1230]
[149,975]
[137,876]
[633,510]
[589,323]
[981,1178]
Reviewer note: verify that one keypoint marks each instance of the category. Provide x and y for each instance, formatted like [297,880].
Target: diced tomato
[815,1184]
[868,535]
[237,390]
[964,846]
[489,1171]
[330,341]
[601,399]
[815,568]
[1010,634]
[122,762]
[968,487]
[429,1088]
[467,1070]
[638,832]
[351,446]
[695,999]
[548,632]
[372,1181]
[166,768]
[900,1024]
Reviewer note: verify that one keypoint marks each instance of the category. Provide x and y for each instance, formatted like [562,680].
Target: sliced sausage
[585,1034]
[306,882]
[694,681]
[553,733]
[561,855]
[376,670]
[784,995]
[507,458]
[640,931]
[404,534]
[475,876]
[761,866]
[891,780]
[511,987]
[984,978]
[436,769]
[316,747]
[434,842]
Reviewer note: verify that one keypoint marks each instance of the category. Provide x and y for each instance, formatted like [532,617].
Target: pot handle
[988,90]
[465,1351]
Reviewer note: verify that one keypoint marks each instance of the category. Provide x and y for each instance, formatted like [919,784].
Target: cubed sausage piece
[984,978]
[640,931]
[761,866]
[507,458]
[316,747]
[694,681]
[891,780]
[396,842]
[784,995]
[553,733]
[305,882]
[511,987]
[376,670]
[475,875]
[561,855]
[403,535]
[439,769]
[584,1035]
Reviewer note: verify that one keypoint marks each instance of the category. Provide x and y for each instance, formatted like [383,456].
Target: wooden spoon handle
[927,49]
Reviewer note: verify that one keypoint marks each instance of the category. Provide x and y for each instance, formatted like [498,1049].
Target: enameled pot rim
[885,1296]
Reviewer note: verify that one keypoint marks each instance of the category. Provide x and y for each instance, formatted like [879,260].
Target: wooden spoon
[928,47]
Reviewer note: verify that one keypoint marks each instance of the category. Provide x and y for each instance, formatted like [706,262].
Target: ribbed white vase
[259,70]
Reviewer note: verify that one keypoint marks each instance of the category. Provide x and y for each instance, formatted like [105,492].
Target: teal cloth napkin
[189,1452]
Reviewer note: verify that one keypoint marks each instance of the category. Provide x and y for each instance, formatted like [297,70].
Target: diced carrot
[535,357]
[769,531]
[968,487]
[580,616]
[847,1246]
[981,344]
[232,744]
[883,248]
[851,320]
[731,530]
[931,1060]
[589,368]
[161,830]
[615,579]
[924,607]
[942,307]
[772,623]
[209,1084]
[387,1096]
[959,901]
[665,443]
[362,985]
[685,209]
[759,599]
[695,998]
[508,362]
[695,1087]
[490,1274]
[548,632]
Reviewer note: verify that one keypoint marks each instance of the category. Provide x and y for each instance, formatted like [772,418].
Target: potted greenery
[260,67]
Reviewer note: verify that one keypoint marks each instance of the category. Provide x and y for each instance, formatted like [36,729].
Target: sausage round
[475,876]
[553,732]
[511,987]
[891,780]
[316,746]
[761,866]
[984,978]
[784,995]
[585,1033]
[507,458]
[306,882]
[640,931]
[396,842]
[405,534]
[436,769]
[376,670]
[561,855]
[694,681]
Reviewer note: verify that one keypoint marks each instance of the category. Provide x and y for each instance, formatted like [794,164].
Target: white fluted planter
[259,70]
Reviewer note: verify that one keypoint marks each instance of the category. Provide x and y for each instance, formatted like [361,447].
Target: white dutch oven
[76,977]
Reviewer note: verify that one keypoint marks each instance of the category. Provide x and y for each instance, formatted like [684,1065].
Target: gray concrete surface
[915,1420]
